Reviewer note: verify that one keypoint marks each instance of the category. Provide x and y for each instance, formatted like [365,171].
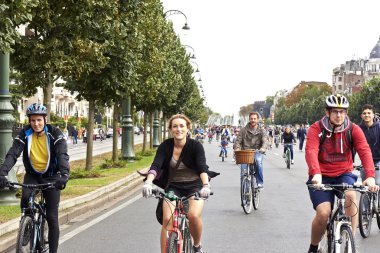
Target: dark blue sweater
[372,134]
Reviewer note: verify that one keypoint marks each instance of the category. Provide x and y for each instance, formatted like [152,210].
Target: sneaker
[260,186]
[233,160]
[283,155]
[198,249]
[292,162]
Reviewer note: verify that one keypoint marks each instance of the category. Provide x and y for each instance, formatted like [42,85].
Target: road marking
[97,220]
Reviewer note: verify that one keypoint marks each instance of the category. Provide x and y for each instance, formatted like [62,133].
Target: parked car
[109,133]
[136,130]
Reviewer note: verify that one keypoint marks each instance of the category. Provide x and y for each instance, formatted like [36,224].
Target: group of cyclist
[180,163]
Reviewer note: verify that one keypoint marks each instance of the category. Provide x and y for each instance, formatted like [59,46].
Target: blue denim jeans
[223,149]
[259,161]
[290,145]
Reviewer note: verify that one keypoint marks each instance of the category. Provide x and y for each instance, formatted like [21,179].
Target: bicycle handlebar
[171,196]
[341,187]
[31,186]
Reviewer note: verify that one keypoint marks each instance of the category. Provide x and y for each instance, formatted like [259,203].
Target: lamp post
[6,123]
[192,56]
[127,136]
[172,12]
[156,125]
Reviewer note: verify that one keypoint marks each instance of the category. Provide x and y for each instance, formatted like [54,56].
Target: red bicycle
[179,238]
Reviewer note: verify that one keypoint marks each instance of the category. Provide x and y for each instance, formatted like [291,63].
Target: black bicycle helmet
[337,101]
[36,109]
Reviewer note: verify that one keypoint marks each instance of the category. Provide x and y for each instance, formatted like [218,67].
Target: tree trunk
[145,130]
[48,91]
[115,138]
[151,130]
[90,133]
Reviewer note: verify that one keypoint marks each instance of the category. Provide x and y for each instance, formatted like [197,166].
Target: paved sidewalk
[71,208]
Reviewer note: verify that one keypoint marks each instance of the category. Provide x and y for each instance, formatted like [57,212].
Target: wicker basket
[244,156]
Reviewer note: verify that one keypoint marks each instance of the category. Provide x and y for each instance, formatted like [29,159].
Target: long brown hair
[179,116]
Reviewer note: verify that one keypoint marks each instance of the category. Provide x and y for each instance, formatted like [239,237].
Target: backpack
[350,142]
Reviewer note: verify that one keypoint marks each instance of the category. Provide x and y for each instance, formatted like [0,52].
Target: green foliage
[82,173]
[305,104]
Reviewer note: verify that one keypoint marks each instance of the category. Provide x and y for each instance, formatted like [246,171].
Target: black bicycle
[288,154]
[338,236]
[33,231]
[369,207]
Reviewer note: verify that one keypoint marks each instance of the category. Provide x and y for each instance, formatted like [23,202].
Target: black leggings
[52,198]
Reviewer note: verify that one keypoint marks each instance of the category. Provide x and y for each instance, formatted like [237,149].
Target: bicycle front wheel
[347,243]
[246,195]
[172,243]
[287,155]
[25,234]
[378,209]
[365,215]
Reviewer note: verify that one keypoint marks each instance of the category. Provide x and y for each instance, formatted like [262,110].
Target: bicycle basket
[244,156]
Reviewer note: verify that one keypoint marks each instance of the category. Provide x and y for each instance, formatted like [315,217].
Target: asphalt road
[282,223]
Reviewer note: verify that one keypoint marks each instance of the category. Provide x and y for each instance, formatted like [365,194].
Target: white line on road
[97,220]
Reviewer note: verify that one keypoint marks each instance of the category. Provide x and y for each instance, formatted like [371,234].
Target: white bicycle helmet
[337,101]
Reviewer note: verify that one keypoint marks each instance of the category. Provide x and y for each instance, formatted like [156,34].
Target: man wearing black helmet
[45,160]
[329,158]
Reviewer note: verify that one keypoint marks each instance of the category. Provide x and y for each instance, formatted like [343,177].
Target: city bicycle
[288,155]
[33,231]
[179,239]
[338,236]
[223,154]
[249,191]
[369,207]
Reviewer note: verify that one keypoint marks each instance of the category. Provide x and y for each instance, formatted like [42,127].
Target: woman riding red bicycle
[180,166]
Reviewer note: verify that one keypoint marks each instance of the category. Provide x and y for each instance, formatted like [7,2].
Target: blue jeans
[301,142]
[290,145]
[223,149]
[259,173]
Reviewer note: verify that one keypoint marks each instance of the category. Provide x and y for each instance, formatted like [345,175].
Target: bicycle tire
[24,242]
[378,210]
[187,239]
[172,243]
[346,239]
[223,157]
[255,193]
[287,155]
[44,239]
[365,215]
[246,195]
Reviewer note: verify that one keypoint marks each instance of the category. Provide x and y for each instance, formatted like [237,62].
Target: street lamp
[172,12]
[192,56]
[197,70]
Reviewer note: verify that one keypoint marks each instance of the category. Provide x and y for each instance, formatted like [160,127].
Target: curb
[71,208]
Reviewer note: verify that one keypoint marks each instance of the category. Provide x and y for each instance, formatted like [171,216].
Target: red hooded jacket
[335,157]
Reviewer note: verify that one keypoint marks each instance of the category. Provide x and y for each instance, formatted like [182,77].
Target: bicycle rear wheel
[255,193]
[347,240]
[172,243]
[24,242]
[187,240]
[246,195]
[365,215]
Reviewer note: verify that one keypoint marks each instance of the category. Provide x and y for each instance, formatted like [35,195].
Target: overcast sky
[247,49]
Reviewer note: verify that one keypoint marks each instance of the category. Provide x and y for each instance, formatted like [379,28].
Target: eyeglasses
[335,111]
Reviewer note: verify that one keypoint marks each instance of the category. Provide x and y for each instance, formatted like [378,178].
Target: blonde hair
[179,116]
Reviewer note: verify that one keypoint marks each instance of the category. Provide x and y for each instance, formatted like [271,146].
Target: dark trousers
[52,198]
[301,142]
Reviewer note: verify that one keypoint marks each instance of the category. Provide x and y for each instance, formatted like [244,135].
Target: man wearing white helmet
[45,160]
[329,158]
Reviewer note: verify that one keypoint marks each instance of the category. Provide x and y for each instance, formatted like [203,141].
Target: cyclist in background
[270,137]
[223,146]
[330,162]
[180,166]
[45,160]
[288,139]
[253,137]
[371,128]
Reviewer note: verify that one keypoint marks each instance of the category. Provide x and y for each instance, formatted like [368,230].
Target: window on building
[339,78]
[339,87]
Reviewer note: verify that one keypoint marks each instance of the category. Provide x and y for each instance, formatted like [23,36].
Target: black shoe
[198,249]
